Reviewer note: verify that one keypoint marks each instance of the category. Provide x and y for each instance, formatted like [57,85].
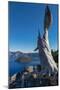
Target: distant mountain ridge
[23,57]
[19,54]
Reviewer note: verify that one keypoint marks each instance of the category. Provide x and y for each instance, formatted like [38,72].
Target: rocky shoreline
[31,78]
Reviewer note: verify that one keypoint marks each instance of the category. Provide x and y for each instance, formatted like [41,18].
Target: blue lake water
[15,66]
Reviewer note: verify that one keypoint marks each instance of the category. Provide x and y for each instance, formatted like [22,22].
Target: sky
[24,21]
